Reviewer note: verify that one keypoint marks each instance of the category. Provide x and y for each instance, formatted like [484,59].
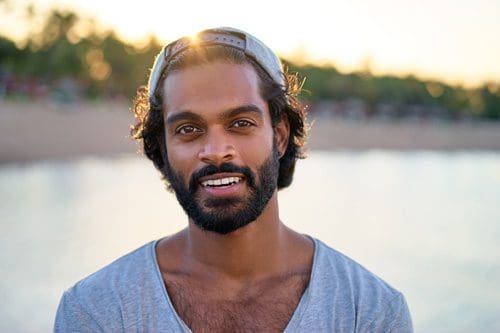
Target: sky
[456,41]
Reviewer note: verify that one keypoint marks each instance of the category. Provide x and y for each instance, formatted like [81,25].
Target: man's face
[222,151]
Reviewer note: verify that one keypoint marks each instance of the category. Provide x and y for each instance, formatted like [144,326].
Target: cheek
[257,149]
[181,160]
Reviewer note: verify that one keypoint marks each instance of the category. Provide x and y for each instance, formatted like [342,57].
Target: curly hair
[283,103]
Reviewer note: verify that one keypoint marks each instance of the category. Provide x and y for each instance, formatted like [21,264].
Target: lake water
[427,222]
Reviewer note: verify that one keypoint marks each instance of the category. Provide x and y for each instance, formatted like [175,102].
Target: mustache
[225,167]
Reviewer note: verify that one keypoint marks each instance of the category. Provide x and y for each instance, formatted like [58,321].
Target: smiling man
[221,122]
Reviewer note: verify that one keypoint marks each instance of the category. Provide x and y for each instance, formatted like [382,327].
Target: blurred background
[403,167]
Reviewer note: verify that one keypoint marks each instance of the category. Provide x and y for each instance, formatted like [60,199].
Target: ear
[282,132]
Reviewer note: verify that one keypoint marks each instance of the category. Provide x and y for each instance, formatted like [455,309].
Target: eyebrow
[248,108]
[231,113]
[183,115]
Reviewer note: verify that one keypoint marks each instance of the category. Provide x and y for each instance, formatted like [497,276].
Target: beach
[70,177]
[32,131]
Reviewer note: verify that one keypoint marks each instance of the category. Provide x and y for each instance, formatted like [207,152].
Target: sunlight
[455,42]
[99,69]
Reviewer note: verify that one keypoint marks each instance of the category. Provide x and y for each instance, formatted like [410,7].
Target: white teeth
[221,181]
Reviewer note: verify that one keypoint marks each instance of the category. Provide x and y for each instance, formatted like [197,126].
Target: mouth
[221,182]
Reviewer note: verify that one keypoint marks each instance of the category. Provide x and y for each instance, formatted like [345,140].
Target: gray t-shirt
[129,295]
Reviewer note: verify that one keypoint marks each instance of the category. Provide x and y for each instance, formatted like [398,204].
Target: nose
[217,148]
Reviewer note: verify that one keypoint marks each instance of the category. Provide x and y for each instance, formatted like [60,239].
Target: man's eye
[187,129]
[242,123]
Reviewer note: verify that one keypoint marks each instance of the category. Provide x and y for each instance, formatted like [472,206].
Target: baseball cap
[238,39]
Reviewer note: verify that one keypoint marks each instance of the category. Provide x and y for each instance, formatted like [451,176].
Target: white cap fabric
[241,40]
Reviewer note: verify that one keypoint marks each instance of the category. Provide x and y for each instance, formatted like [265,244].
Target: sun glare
[455,41]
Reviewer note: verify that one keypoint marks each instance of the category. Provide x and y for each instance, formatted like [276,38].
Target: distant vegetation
[69,58]
[64,61]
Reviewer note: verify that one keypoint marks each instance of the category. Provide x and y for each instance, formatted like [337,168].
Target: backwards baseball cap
[238,39]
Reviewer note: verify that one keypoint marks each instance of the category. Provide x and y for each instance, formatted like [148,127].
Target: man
[221,122]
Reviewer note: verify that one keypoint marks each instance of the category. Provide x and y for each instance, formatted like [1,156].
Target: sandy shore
[41,131]
[342,134]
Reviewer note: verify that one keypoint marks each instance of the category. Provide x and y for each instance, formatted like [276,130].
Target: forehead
[212,87]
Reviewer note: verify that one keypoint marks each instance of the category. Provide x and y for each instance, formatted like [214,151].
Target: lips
[225,179]
[222,185]
[220,180]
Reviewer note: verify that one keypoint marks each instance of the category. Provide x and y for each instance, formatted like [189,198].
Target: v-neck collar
[297,314]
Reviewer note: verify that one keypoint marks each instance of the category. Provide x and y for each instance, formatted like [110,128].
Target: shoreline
[32,131]
[403,135]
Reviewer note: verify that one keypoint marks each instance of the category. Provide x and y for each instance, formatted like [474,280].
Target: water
[427,222]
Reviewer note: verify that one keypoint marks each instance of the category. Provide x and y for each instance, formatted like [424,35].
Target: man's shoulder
[336,267]
[342,286]
[124,278]
[114,295]
[127,268]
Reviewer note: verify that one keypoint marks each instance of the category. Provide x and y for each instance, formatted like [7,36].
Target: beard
[225,215]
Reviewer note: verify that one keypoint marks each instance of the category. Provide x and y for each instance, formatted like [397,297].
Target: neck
[252,251]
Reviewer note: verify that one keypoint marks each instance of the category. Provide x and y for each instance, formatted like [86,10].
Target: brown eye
[242,123]
[187,129]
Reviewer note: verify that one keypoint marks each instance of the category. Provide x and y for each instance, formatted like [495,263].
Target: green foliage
[98,64]
[327,83]
[490,95]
